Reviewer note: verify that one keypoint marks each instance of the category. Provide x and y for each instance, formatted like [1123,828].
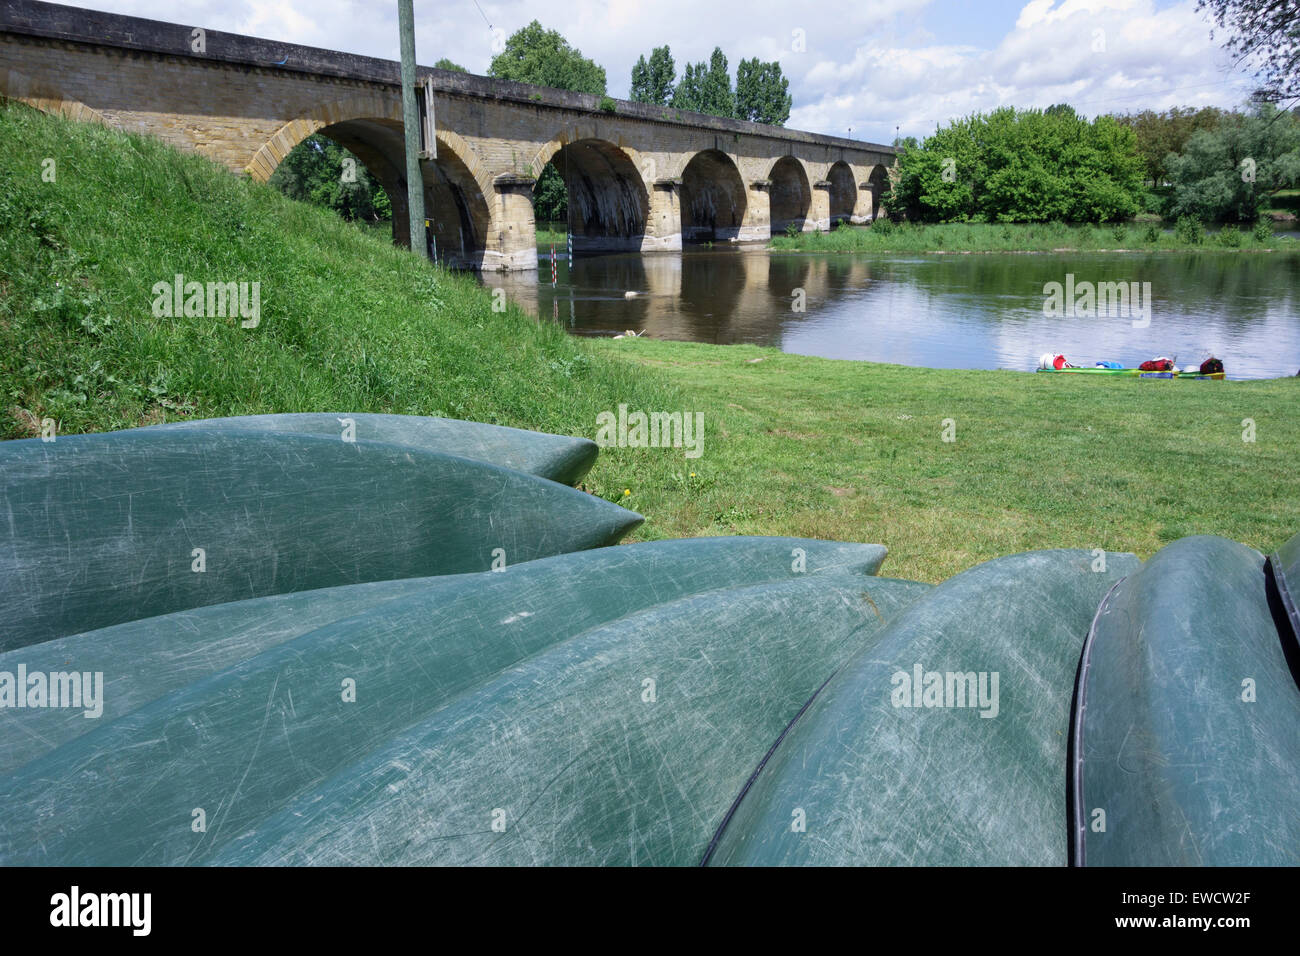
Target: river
[982,311]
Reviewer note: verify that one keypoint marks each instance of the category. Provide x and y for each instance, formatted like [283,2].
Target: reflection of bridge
[640,177]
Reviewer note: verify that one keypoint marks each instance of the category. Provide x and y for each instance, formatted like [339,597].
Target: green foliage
[608,105]
[323,173]
[1265,33]
[652,81]
[550,197]
[1021,166]
[1263,232]
[1190,230]
[1159,134]
[542,57]
[446,64]
[1151,235]
[762,93]
[1228,172]
[1229,236]
[706,88]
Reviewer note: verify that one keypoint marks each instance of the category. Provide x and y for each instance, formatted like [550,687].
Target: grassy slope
[1021,237]
[348,322]
[793,445]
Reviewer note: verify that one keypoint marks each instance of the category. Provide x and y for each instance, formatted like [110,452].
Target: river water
[983,311]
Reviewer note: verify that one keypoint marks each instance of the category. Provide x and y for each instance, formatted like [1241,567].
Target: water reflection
[950,311]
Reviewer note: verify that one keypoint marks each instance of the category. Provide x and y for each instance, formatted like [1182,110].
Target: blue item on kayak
[1109,365]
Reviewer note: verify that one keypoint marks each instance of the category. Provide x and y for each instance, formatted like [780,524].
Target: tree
[762,93]
[1159,134]
[687,95]
[1021,166]
[715,87]
[1266,34]
[1226,173]
[542,57]
[446,64]
[652,82]
[321,172]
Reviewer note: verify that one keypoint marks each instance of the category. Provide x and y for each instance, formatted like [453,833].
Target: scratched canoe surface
[102,529]
[1284,568]
[624,745]
[862,780]
[143,660]
[243,740]
[557,457]
[1190,717]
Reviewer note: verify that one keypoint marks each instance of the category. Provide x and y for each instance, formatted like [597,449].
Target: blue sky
[872,66]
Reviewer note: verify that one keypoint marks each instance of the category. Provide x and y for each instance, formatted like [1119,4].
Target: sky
[869,69]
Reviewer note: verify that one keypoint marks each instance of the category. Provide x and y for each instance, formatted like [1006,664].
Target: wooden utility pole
[411,125]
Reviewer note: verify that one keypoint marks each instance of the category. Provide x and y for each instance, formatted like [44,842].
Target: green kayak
[541,664]
[107,528]
[556,457]
[1185,735]
[174,650]
[943,742]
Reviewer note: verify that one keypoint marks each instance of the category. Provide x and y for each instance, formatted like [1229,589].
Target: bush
[883,226]
[793,229]
[1151,235]
[1189,230]
[1229,236]
[1120,234]
[1263,231]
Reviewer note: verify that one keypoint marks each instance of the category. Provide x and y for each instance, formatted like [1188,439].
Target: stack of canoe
[414,645]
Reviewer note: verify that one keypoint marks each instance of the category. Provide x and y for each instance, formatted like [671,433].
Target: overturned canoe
[557,457]
[144,660]
[623,745]
[107,528]
[944,741]
[239,743]
[1284,574]
[1186,750]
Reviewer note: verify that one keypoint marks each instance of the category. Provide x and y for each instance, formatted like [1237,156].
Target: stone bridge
[640,177]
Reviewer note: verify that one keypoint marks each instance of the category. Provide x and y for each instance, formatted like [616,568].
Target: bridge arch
[843,192]
[370,126]
[43,96]
[876,185]
[791,194]
[609,200]
[713,199]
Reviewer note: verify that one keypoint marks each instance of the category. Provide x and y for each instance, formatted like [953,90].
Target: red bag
[1157,365]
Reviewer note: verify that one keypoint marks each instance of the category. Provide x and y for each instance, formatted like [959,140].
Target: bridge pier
[819,215]
[512,239]
[758,210]
[663,229]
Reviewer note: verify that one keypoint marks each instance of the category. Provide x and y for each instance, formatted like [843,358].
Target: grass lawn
[1024,237]
[792,445]
[850,450]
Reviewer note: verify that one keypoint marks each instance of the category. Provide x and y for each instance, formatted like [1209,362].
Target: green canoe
[624,745]
[241,741]
[168,652]
[556,457]
[107,528]
[965,766]
[1284,572]
[1185,735]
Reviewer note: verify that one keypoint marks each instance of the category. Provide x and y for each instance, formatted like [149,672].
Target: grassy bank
[792,445]
[1027,237]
